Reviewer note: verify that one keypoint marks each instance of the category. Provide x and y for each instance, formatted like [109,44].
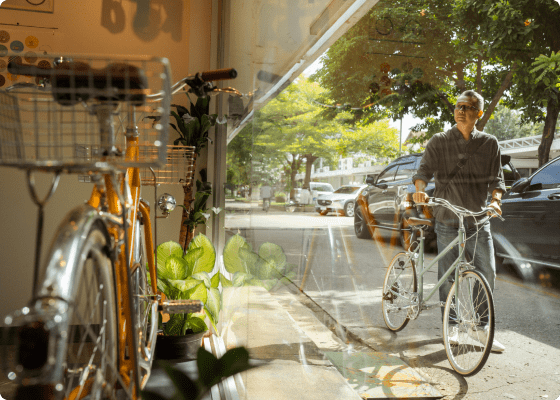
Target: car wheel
[349,209]
[324,212]
[360,227]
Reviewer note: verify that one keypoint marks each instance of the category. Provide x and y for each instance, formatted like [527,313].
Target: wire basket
[58,127]
[178,170]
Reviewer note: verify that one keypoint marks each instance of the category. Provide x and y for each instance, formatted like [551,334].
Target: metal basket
[38,132]
[178,170]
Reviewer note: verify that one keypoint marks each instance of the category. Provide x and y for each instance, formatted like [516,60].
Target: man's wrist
[497,200]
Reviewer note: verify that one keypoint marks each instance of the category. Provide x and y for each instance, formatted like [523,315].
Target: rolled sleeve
[428,164]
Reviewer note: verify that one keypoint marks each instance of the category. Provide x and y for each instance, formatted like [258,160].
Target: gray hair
[469,95]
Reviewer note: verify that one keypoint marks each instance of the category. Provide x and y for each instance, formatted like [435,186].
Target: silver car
[341,201]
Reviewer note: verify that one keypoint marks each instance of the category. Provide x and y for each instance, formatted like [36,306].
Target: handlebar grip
[27,69]
[219,74]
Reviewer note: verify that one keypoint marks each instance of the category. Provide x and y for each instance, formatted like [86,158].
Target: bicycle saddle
[74,81]
[420,221]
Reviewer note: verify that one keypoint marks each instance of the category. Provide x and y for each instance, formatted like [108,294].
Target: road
[344,275]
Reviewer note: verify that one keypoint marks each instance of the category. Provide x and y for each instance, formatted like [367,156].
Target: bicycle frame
[124,262]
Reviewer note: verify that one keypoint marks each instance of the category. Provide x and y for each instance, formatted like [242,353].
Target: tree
[506,124]
[518,31]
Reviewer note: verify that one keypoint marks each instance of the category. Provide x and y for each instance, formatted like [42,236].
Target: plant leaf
[273,253]
[208,368]
[224,281]
[166,250]
[204,263]
[239,278]
[232,260]
[184,285]
[175,268]
[196,324]
[174,326]
[214,303]
[191,256]
[215,281]
[234,361]
[199,292]
[250,260]
[204,277]
[183,384]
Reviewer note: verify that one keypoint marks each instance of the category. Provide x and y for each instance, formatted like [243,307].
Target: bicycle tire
[142,295]
[95,352]
[401,278]
[469,346]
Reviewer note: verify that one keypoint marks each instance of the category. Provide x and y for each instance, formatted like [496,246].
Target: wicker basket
[178,170]
[38,132]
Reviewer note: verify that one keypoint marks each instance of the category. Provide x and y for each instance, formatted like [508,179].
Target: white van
[318,188]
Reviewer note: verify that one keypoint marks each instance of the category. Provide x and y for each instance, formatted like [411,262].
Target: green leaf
[214,302]
[239,278]
[174,326]
[191,256]
[208,368]
[215,281]
[184,285]
[175,268]
[224,281]
[166,250]
[232,260]
[199,292]
[273,253]
[183,384]
[180,109]
[249,260]
[204,263]
[196,324]
[204,277]
[234,361]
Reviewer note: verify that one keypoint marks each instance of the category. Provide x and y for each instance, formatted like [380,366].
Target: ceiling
[271,42]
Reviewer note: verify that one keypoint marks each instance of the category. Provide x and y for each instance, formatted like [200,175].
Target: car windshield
[323,188]
[347,189]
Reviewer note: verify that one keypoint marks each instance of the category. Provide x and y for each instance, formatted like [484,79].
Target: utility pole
[400,139]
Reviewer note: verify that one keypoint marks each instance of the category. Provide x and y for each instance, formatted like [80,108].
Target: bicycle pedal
[180,306]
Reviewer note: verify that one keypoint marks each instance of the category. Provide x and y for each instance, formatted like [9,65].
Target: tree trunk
[309,160]
[186,235]
[552,110]
[503,87]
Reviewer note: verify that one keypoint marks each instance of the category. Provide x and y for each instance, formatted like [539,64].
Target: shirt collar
[459,136]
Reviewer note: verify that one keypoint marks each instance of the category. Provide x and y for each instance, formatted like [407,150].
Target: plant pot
[182,347]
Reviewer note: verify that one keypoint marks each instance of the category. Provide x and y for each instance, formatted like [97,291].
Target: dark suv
[382,204]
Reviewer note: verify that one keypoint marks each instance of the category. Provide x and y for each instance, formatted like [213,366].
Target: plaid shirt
[482,174]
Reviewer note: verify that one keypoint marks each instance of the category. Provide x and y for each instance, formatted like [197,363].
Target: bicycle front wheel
[468,323]
[91,354]
[399,285]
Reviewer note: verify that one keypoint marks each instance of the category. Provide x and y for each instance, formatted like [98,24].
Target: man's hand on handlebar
[494,205]
[420,197]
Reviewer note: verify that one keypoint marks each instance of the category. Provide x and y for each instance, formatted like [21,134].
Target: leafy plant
[267,267]
[211,371]
[187,276]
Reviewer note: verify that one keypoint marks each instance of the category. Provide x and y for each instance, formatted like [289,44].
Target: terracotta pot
[183,347]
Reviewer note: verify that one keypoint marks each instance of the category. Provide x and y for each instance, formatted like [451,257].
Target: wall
[178,30]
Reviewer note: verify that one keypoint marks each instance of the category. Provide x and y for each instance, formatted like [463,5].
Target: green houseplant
[187,276]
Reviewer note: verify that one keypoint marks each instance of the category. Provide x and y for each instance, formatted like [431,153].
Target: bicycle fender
[63,256]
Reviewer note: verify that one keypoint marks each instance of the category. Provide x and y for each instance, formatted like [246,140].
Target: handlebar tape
[219,74]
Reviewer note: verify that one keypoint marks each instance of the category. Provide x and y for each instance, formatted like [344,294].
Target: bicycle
[468,319]
[91,326]
[266,204]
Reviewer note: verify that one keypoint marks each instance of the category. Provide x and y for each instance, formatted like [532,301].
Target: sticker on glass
[31,42]
[3,50]
[4,37]
[30,57]
[16,46]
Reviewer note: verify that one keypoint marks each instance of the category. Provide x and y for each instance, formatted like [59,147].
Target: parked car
[342,200]
[303,197]
[383,203]
[530,233]
[320,188]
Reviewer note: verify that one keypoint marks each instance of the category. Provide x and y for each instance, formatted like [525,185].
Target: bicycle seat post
[104,113]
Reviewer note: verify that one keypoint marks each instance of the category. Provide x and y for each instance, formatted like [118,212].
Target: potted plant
[187,276]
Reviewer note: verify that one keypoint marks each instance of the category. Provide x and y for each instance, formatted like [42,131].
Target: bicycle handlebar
[458,210]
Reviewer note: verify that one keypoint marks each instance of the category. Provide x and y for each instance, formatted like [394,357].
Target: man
[468,187]
[266,193]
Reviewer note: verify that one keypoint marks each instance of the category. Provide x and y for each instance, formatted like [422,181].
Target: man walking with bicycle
[466,165]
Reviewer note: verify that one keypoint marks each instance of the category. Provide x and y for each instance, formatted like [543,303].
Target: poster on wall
[29,5]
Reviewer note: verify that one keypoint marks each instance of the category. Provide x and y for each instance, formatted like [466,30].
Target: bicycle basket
[178,170]
[57,126]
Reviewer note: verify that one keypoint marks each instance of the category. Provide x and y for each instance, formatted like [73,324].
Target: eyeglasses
[465,108]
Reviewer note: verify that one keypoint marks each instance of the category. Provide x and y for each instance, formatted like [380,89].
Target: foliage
[506,124]
[211,370]
[187,277]
[267,267]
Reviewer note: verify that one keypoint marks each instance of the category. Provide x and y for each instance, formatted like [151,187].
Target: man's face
[466,112]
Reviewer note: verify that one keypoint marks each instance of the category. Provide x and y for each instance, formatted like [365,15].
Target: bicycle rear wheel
[468,323]
[399,285]
[91,354]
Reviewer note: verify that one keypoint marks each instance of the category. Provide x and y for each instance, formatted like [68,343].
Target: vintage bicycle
[91,326]
[468,318]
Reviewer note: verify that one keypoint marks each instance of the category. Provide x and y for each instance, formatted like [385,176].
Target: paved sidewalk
[304,358]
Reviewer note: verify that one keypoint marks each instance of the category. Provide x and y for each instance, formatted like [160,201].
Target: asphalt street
[344,276]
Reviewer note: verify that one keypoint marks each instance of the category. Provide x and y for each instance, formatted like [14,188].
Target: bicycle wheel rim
[475,324]
[400,278]
[91,356]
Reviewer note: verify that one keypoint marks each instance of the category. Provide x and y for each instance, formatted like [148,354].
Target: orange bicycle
[90,329]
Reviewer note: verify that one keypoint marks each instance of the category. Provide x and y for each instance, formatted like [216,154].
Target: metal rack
[178,169]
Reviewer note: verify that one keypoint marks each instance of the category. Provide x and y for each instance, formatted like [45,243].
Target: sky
[408,120]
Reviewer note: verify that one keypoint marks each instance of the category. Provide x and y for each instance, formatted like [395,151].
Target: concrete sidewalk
[303,359]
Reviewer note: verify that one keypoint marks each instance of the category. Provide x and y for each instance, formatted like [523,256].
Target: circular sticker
[16,59]
[31,42]
[407,66]
[4,37]
[3,65]
[30,57]
[3,50]
[385,68]
[16,46]
[2,80]
[374,87]
[385,80]
[44,64]
[12,77]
